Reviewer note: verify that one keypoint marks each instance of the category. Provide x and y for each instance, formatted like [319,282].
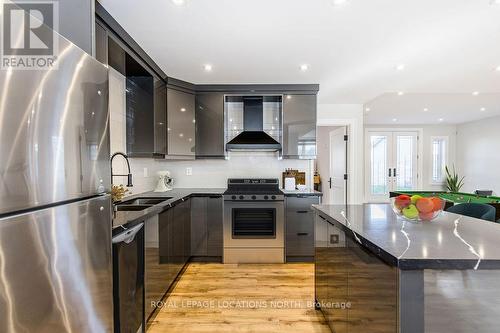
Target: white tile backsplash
[213,173]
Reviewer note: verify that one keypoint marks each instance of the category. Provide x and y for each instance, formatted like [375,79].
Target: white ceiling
[449,48]
[431,109]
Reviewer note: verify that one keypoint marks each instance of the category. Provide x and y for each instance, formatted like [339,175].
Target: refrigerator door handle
[128,235]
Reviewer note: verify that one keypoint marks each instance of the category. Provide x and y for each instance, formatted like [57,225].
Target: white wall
[428,131]
[478,154]
[350,115]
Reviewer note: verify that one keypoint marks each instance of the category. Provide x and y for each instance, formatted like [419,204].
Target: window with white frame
[439,149]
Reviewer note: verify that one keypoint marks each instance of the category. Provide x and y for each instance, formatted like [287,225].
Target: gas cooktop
[253,189]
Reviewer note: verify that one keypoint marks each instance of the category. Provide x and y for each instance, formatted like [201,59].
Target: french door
[391,163]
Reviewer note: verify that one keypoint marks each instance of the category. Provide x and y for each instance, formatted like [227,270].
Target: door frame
[354,153]
[420,151]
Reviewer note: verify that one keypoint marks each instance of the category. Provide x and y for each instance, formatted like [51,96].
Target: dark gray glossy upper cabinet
[160,118]
[116,56]
[140,116]
[210,125]
[299,126]
[181,136]
[101,44]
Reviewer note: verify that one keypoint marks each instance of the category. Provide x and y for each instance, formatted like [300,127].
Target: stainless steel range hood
[253,136]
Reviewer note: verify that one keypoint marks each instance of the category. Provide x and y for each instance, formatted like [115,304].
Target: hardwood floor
[241,298]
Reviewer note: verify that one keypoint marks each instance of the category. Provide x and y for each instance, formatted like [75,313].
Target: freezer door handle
[128,235]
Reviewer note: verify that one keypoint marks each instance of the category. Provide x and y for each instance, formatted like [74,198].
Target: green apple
[410,212]
[414,198]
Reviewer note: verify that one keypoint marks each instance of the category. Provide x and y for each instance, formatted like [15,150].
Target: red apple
[402,201]
[425,205]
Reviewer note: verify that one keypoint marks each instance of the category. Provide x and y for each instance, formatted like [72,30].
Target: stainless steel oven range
[254,222]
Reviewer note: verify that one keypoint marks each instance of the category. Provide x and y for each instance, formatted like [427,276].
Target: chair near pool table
[477,210]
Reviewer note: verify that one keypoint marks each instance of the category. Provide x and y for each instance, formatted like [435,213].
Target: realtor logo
[29,40]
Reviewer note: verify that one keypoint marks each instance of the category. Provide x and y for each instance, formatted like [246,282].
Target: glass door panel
[391,163]
[405,169]
[379,157]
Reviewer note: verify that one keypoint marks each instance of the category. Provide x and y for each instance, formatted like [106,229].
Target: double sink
[139,204]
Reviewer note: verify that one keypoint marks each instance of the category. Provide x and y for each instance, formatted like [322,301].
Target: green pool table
[452,198]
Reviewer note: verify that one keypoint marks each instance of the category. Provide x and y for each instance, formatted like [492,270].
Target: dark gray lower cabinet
[356,291]
[214,226]
[300,227]
[158,273]
[206,226]
[167,250]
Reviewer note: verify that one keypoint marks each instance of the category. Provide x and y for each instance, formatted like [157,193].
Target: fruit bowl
[417,208]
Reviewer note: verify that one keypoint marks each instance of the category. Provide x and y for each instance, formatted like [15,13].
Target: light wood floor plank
[241,298]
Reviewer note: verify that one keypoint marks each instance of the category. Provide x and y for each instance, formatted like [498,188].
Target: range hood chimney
[253,136]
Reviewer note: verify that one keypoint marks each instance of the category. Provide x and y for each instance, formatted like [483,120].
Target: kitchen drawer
[300,243]
[300,203]
[300,222]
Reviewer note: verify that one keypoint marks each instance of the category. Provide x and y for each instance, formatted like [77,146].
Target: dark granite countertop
[307,192]
[451,241]
[177,195]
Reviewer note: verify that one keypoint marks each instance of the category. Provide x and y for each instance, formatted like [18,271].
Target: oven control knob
[242,197]
[233,197]
[266,197]
[254,197]
[273,197]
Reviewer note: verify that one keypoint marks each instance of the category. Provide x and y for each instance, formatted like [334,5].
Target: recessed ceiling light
[483,109]
[497,68]
[495,2]
[304,67]
[339,2]
[440,119]
[475,93]
[394,119]
[426,109]
[400,93]
[400,67]
[179,2]
[207,67]
[367,109]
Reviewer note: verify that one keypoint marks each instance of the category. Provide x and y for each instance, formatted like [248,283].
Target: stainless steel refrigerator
[55,215]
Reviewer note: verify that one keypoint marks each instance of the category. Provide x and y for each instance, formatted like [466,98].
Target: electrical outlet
[145,172]
[189,171]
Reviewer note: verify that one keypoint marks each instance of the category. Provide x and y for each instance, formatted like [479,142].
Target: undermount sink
[135,208]
[145,201]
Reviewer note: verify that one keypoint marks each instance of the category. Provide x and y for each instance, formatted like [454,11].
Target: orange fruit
[438,203]
[425,205]
[426,216]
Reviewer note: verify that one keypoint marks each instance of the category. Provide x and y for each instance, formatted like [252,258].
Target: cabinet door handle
[302,233]
[394,172]
[390,172]
[303,211]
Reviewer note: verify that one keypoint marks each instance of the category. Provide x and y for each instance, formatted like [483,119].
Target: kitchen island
[378,273]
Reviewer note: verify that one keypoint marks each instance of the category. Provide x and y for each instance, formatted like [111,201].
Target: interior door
[391,163]
[338,167]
